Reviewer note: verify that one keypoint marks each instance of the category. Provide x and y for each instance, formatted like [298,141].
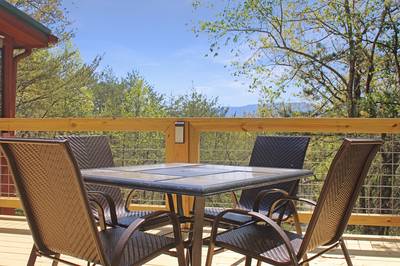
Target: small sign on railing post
[179,132]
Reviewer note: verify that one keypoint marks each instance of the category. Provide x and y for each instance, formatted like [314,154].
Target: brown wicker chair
[93,151]
[268,151]
[265,241]
[57,210]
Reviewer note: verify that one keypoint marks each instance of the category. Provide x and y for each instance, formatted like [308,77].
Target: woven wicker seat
[229,219]
[260,240]
[57,209]
[139,245]
[265,241]
[93,151]
[268,151]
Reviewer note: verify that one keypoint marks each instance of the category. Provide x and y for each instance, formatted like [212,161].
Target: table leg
[199,204]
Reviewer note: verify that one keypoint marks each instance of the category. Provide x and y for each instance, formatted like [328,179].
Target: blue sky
[155,38]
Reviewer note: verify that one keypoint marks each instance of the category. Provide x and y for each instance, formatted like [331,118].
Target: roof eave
[24,24]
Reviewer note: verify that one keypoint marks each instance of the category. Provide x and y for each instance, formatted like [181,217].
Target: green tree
[343,55]
[107,94]
[195,104]
[130,96]
[337,52]
[53,82]
[141,100]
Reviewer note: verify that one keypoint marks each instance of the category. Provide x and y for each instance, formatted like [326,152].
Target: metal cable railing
[380,194]
[129,148]
[381,191]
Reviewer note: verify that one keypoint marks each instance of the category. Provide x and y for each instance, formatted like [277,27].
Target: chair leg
[305,258]
[180,252]
[297,225]
[32,257]
[345,252]
[248,261]
[210,253]
[55,263]
[189,248]
[259,263]
[188,256]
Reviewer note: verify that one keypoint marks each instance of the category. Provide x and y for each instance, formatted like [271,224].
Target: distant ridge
[251,109]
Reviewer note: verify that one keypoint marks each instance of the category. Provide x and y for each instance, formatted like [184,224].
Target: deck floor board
[16,243]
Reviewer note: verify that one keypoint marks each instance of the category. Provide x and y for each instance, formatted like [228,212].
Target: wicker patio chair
[93,151]
[265,241]
[268,151]
[57,210]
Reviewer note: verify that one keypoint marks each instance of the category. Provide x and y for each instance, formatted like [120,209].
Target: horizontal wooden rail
[13,202]
[190,150]
[317,125]
[325,125]
[355,219]
[86,124]
[147,207]
[362,219]
[10,203]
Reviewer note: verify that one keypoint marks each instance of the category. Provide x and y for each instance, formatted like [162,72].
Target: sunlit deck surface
[16,243]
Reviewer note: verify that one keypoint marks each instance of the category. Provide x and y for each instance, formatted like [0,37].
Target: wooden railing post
[186,152]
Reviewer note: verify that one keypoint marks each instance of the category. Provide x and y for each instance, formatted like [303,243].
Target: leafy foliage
[342,54]
[55,83]
[195,104]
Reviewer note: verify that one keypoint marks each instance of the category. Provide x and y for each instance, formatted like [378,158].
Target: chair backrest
[275,151]
[52,194]
[91,151]
[94,151]
[339,192]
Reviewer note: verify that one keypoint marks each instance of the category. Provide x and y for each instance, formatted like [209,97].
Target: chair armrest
[291,200]
[96,195]
[234,199]
[119,248]
[294,199]
[265,193]
[309,202]
[260,217]
[173,218]
[100,211]
[129,199]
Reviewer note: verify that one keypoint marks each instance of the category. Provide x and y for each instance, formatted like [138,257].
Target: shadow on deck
[16,243]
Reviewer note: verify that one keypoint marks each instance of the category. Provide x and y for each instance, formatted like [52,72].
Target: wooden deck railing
[189,151]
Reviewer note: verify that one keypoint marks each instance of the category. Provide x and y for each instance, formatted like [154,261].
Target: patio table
[198,180]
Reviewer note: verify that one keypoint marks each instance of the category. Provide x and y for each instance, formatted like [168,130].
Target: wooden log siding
[190,150]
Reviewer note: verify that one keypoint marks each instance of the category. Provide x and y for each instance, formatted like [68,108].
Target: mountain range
[251,109]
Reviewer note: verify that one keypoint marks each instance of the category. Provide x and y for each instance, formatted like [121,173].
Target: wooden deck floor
[16,243]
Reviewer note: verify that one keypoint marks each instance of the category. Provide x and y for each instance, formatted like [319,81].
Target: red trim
[24,35]
[9,79]
[8,110]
